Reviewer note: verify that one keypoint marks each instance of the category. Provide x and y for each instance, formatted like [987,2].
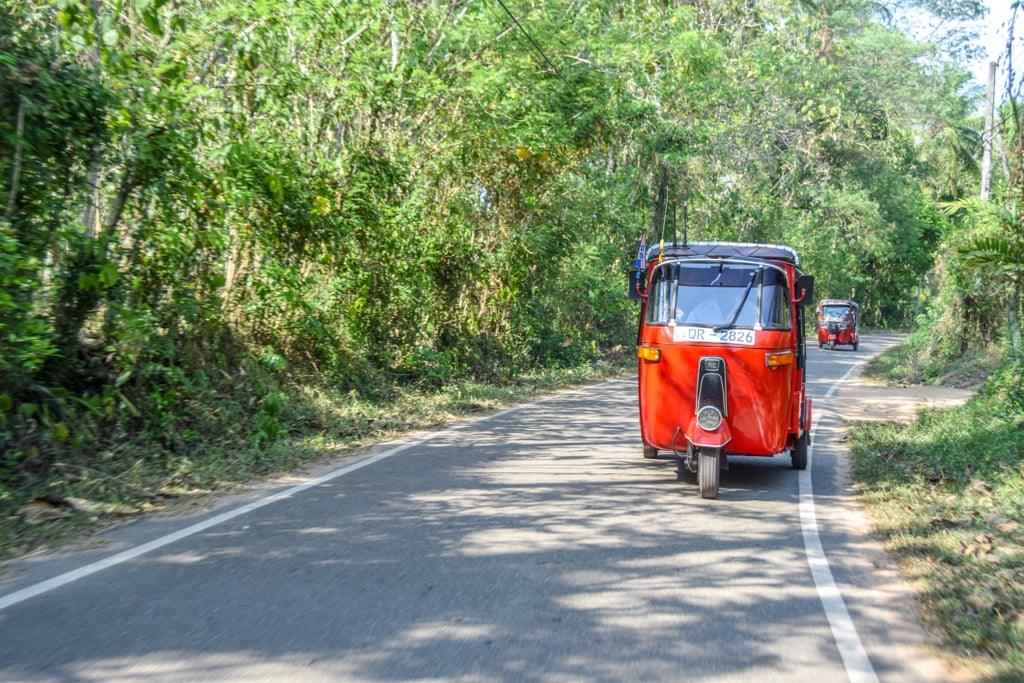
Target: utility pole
[987,136]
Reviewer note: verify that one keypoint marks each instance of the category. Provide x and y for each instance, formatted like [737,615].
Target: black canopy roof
[773,252]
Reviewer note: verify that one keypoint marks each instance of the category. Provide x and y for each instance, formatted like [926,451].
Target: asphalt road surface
[536,544]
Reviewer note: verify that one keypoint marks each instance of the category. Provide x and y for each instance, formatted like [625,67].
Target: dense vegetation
[236,235]
[226,229]
[946,493]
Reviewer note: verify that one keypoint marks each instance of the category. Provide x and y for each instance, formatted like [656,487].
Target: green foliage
[51,137]
[206,196]
[994,256]
[1007,384]
[947,500]
[977,281]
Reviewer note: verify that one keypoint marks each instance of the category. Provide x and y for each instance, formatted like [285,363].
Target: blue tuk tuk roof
[772,252]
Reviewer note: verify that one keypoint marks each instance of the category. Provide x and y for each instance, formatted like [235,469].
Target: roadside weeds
[77,504]
[942,482]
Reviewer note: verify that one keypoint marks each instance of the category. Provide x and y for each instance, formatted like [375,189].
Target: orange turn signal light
[777,360]
[649,354]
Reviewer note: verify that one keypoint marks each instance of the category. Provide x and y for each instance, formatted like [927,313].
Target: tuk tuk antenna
[675,237]
[685,239]
[664,217]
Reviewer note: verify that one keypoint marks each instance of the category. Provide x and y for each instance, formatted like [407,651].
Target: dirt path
[880,402]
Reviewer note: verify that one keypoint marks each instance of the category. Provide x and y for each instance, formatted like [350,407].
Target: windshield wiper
[739,306]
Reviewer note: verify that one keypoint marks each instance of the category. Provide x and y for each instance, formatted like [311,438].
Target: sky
[994,38]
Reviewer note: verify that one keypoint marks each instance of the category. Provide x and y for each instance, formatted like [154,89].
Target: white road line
[855,658]
[842,380]
[66,578]
[130,554]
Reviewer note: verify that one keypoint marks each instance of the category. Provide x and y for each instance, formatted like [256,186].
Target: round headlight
[709,418]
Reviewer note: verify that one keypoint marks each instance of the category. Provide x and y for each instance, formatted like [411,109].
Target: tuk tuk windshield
[836,312]
[717,294]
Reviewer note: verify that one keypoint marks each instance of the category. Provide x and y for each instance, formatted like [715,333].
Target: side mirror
[637,284]
[804,290]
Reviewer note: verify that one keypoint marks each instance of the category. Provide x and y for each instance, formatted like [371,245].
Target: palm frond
[994,255]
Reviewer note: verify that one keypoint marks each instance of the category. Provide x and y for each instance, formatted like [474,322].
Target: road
[535,544]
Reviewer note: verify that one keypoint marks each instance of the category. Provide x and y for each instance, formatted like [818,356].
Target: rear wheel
[854,346]
[708,472]
[650,451]
[799,453]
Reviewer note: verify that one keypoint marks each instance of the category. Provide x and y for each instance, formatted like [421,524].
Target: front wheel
[799,453]
[831,344]
[650,451]
[708,472]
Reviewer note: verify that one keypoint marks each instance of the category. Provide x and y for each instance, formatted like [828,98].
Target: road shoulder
[878,591]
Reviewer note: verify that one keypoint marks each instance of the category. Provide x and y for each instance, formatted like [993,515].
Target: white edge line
[68,577]
[855,658]
[851,650]
[842,380]
[107,562]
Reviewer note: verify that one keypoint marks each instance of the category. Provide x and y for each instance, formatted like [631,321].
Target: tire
[708,472]
[799,453]
[854,346]
[650,451]
[831,344]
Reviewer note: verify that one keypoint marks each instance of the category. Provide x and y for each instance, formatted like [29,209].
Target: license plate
[687,333]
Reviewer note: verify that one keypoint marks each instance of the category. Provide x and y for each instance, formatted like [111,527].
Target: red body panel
[838,328]
[846,336]
[765,409]
[761,400]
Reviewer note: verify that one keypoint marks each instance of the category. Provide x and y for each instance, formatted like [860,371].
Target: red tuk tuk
[838,321]
[721,354]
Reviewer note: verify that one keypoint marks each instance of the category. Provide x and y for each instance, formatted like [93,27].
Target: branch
[354,36]
[16,166]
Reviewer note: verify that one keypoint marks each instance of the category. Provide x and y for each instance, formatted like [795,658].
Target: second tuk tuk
[722,355]
[838,323]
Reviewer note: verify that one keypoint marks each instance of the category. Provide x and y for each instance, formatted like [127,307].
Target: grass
[946,494]
[220,438]
[911,363]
